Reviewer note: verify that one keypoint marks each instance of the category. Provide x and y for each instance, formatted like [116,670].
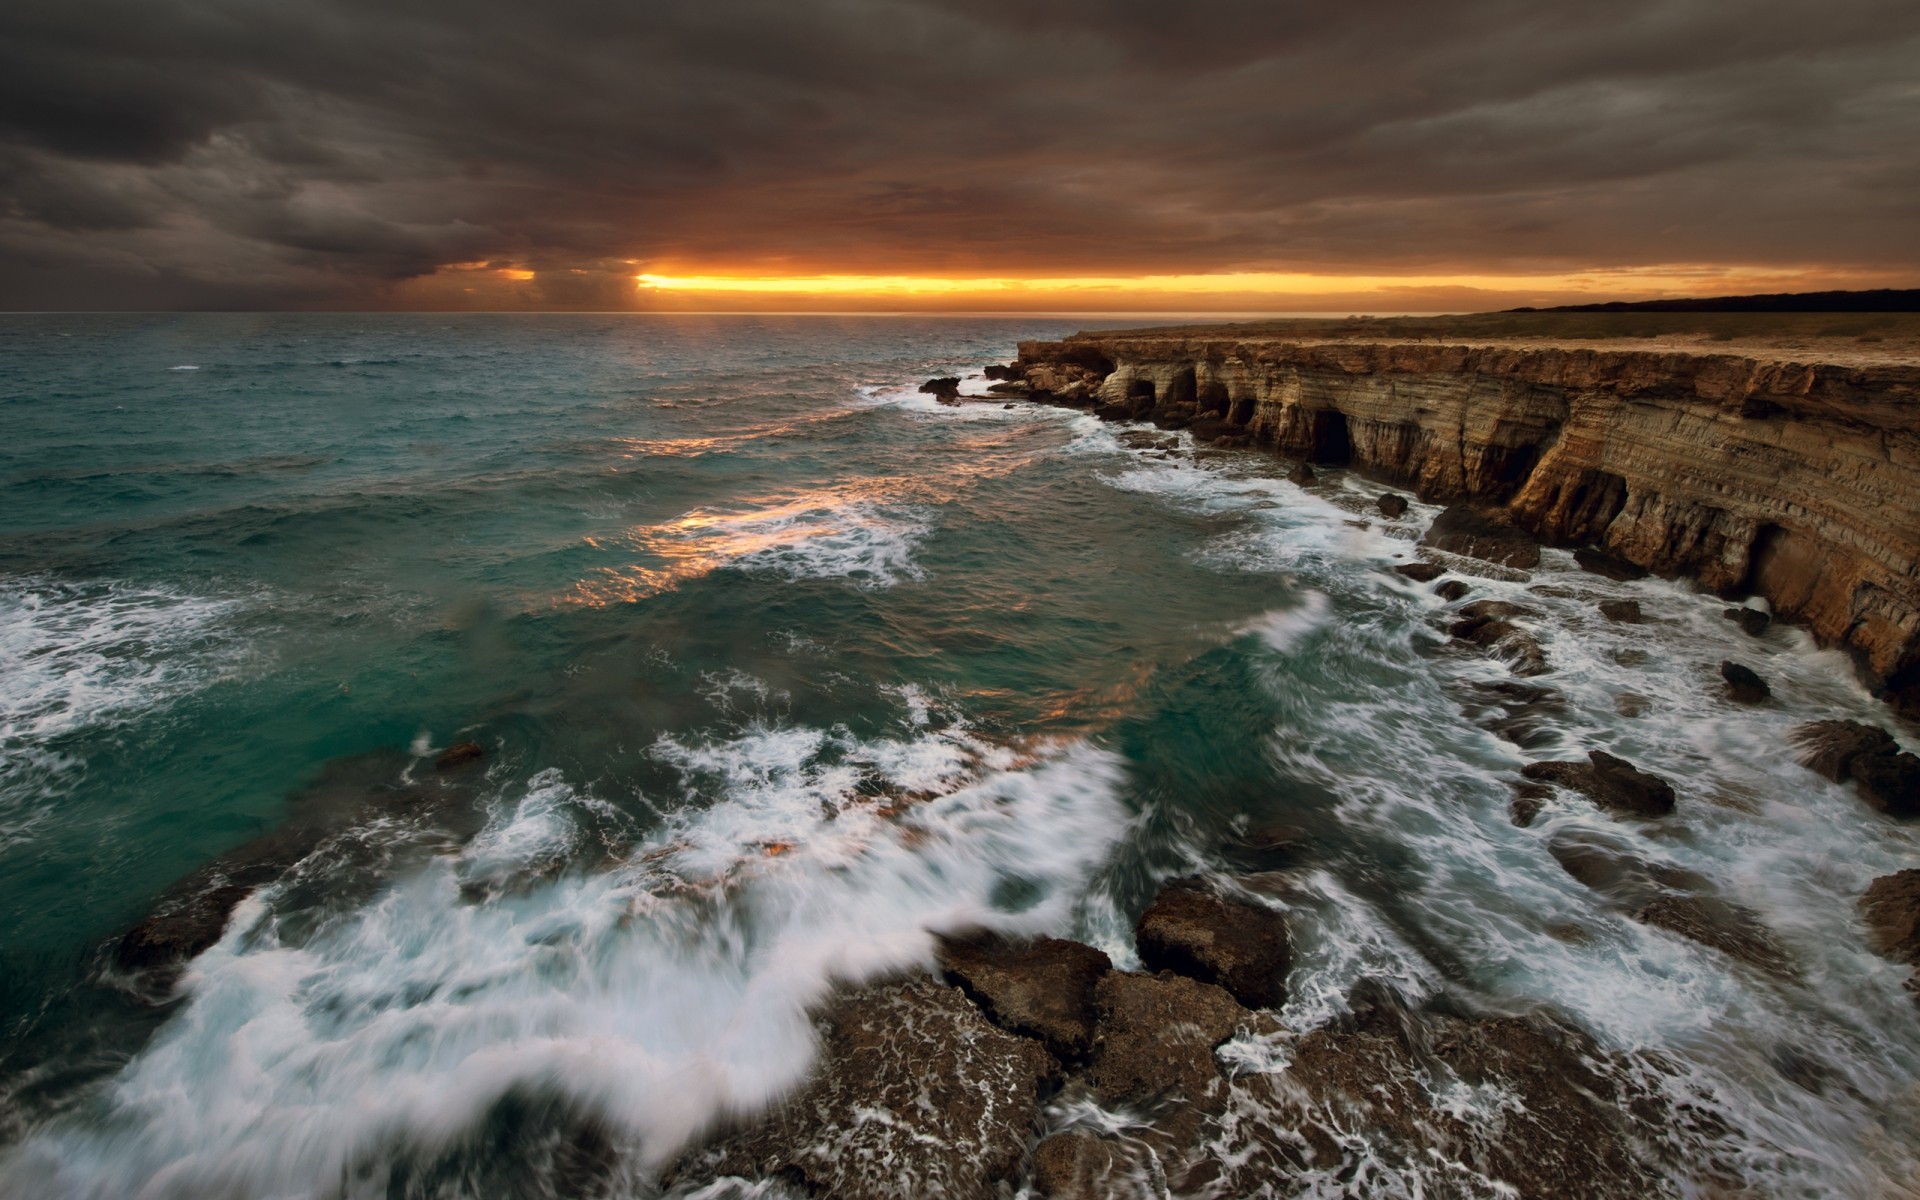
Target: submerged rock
[1613,783]
[1626,612]
[1524,714]
[1601,563]
[1484,623]
[1193,931]
[1479,531]
[915,1094]
[347,797]
[1732,930]
[1830,748]
[1451,589]
[1042,989]
[1744,686]
[1891,909]
[1887,777]
[1302,476]
[1753,620]
[459,755]
[1890,783]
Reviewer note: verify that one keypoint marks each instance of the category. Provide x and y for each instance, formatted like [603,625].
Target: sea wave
[658,994]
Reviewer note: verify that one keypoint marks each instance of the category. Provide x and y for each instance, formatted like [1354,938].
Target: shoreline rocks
[1612,783]
[1887,777]
[1744,685]
[1042,989]
[1193,931]
[1798,482]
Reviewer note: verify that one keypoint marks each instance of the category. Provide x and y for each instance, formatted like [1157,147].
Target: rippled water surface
[779,667]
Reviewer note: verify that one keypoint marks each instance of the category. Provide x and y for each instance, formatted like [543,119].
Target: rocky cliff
[1796,481]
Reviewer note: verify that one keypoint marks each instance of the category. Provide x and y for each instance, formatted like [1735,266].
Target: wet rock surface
[1193,931]
[1752,621]
[1602,563]
[1830,748]
[1626,612]
[1887,777]
[945,389]
[1043,989]
[1421,572]
[1367,1107]
[1483,532]
[1452,589]
[1890,908]
[459,754]
[348,795]
[1744,685]
[1391,505]
[1157,1037]
[1488,625]
[916,1094]
[1734,931]
[1612,783]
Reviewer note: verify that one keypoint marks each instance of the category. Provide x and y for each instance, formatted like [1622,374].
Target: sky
[953,155]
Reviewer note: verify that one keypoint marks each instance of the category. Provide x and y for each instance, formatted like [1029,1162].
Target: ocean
[779,667]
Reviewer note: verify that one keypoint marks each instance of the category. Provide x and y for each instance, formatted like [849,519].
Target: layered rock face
[1798,482]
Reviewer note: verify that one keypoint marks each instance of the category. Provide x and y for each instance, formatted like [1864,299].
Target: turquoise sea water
[779,666]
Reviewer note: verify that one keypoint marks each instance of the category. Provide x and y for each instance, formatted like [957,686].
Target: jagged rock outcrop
[1796,481]
[917,1094]
[1613,783]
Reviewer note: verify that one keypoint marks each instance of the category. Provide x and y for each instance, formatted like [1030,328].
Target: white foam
[661,994]
[79,657]
[856,532]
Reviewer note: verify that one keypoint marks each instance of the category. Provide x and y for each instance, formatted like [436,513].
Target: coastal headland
[1775,455]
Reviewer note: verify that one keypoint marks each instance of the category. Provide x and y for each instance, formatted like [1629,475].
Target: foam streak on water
[81,658]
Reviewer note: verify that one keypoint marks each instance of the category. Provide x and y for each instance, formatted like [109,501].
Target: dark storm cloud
[319,151]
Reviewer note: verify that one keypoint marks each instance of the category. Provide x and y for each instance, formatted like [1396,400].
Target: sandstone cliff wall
[1799,482]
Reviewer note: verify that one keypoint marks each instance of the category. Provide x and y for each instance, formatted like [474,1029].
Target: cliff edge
[1798,481]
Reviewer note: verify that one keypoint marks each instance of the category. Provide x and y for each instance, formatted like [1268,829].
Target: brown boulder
[1157,1036]
[1042,989]
[945,389]
[459,755]
[1484,623]
[1421,572]
[1830,748]
[1753,620]
[1601,563]
[1195,932]
[1891,909]
[1613,783]
[1888,778]
[1476,531]
[1391,505]
[1890,783]
[1732,930]
[915,1094]
[1302,476]
[1451,589]
[1744,686]
[1627,612]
